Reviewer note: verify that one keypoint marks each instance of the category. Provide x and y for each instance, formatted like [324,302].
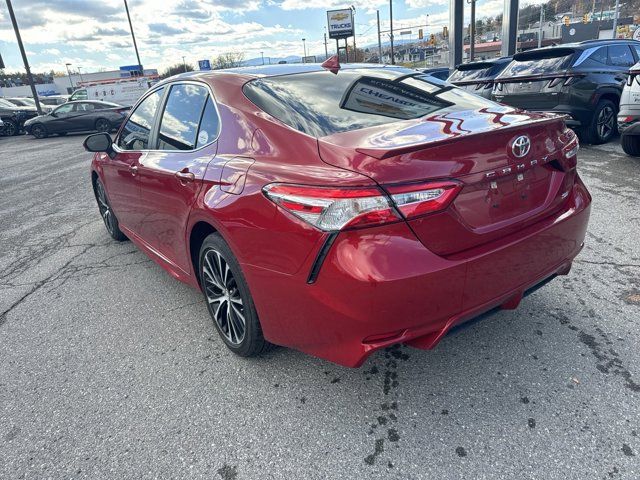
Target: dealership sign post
[340,25]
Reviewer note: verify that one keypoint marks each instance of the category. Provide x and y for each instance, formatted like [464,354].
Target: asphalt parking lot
[109,368]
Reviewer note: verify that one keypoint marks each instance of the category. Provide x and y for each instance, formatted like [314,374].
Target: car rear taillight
[555,82]
[332,209]
[479,85]
[422,198]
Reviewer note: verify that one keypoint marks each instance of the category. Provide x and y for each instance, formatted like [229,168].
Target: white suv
[629,114]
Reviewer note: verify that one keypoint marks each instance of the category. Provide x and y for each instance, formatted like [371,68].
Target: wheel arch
[199,231]
[610,94]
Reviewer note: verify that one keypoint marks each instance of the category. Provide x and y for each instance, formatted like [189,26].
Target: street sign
[340,23]
[204,64]
[420,34]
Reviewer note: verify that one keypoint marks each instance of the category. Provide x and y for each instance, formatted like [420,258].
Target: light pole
[304,48]
[133,37]
[69,74]
[184,65]
[80,73]
[355,51]
[24,57]
[615,19]
[262,55]
[393,60]
[472,31]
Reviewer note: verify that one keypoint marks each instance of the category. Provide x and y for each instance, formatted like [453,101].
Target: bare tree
[228,60]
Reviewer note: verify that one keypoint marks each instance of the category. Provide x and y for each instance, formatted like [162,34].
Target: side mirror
[53,114]
[99,142]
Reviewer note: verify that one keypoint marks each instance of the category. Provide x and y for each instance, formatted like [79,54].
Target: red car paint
[511,225]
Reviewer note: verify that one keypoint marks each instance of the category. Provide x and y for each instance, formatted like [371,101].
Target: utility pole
[184,65]
[24,57]
[615,20]
[540,29]
[472,31]
[262,55]
[393,60]
[69,75]
[133,37]
[379,42]
[80,73]
[304,48]
[326,52]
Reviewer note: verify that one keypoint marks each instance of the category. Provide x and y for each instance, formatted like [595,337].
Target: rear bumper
[629,120]
[381,286]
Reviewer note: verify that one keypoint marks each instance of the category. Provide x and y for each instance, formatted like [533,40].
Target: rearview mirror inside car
[99,142]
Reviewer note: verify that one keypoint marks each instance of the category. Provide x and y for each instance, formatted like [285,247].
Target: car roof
[276,70]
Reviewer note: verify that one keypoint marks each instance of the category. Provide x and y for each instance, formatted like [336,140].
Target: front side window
[181,117]
[135,133]
[79,95]
[620,56]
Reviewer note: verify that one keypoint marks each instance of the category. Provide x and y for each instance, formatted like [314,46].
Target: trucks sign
[340,23]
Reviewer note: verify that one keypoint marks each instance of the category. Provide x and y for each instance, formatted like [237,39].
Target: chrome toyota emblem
[521,146]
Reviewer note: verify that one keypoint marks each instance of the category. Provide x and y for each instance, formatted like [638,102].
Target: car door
[120,173]
[171,176]
[59,121]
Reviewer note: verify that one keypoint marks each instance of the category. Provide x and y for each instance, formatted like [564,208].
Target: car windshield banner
[340,23]
[379,96]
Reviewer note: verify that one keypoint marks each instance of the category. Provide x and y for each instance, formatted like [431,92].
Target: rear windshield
[321,103]
[530,63]
[476,71]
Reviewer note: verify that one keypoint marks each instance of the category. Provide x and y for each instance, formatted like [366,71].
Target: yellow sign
[338,17]
[566,20]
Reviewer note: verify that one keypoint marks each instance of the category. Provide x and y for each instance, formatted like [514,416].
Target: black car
[82,116]
[582,80]
[478,77]
[14,117]
[441,73]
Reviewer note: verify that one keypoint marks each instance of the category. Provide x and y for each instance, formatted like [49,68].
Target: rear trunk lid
[528,81]
[501,192]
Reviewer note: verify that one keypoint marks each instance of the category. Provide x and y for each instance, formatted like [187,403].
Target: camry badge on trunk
[521,146]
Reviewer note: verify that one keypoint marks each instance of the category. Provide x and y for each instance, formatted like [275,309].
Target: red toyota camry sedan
[340,210]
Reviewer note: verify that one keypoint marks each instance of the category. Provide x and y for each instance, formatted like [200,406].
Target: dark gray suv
[582,80]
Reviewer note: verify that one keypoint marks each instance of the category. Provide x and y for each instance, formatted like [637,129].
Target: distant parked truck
[123,92]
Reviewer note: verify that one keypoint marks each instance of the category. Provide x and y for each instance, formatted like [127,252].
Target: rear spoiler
[539,54]
[465,67]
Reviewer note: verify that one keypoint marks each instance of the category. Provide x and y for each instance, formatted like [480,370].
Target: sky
[94,34]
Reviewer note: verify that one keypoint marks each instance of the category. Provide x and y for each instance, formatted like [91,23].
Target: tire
[224,285]
[39,131]
[604,124]
[631,145]
[106,212]
[103,125]
[10,128]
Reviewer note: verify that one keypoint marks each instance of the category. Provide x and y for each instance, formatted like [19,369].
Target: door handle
[133,169]
[185,176]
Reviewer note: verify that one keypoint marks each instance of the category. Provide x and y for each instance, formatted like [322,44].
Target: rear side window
[469,74]
[321,103]
[210,124]
[135,133]
[181,117]
[620,56]
[637,47]
[600,55]
[85,107]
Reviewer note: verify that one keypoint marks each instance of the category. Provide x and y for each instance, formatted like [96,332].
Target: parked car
[629,114]
[28,102]
[478,77]
[77,117]
[441,73]
[581,80]
[54,100]
[14,117]
[341,213]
